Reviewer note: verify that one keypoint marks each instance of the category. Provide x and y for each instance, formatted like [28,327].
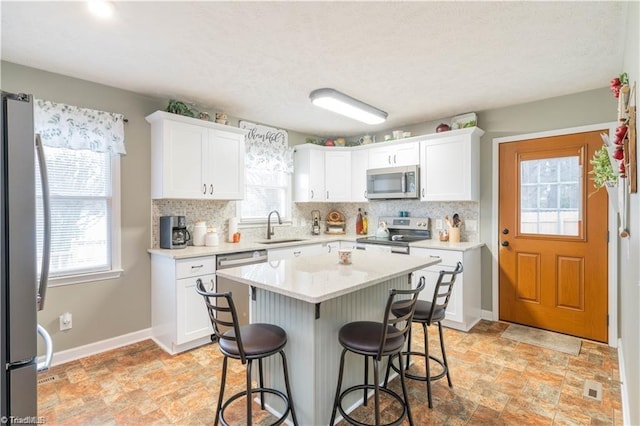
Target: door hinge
[607,236]
[607,320]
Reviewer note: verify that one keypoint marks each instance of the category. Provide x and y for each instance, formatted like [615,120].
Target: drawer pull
[197,266]
[297,253]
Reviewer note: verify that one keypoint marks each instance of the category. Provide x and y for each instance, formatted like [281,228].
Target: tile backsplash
[217,213]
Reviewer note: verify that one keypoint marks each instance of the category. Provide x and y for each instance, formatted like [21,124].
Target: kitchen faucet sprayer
[270,230]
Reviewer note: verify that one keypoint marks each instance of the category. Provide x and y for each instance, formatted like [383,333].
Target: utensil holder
[454,235]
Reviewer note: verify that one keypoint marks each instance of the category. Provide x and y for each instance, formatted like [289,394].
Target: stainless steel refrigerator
[22,291]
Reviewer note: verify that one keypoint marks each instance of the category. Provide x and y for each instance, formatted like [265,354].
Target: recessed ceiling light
[101,8]
[343,104]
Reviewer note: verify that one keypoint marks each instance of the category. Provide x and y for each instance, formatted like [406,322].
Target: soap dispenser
[315,220]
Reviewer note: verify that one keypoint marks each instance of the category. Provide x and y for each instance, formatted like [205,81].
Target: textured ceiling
[419,61]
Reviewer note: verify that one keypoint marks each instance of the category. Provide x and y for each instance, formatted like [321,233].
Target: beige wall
[629,281]
[110,308]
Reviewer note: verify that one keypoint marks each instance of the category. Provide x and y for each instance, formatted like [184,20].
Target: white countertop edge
[225,247]
[329,295]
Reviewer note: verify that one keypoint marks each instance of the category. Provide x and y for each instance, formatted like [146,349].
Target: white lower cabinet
[295,251]
[334,246]
[179,317]
[463,311]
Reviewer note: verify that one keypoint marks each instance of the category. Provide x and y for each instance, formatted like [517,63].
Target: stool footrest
[388,391]
[433,378]
[271,391]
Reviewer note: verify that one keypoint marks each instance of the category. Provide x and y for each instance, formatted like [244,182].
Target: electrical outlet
[472,225]
[66,321]
[439,224]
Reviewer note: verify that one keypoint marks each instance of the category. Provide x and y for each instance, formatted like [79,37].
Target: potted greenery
[602,173]
[178,107]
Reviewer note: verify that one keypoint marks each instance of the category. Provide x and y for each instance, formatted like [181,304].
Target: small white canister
[199,232]
[212,239]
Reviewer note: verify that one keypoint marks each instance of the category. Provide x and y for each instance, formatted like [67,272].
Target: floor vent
[47,379]
[592,390]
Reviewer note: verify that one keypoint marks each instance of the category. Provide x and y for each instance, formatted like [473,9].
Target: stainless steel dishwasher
[239,291]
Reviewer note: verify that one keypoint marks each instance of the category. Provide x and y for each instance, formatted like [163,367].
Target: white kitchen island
[311,298]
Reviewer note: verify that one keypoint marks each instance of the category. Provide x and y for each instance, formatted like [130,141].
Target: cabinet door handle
[389,159]
[204,189]
[213,285]
[394,159]
[211,192]
[296,253]
[423,192]
[327,195]
[312,193]
[329,249]
[365,193]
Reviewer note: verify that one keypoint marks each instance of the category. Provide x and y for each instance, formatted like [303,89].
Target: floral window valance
[67,126]
[267,148]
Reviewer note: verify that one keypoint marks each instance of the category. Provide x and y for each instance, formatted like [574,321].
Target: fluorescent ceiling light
[101,8]
[346,105]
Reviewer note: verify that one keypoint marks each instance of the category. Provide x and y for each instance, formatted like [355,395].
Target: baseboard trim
[623,387]
[486,315]
[73,354]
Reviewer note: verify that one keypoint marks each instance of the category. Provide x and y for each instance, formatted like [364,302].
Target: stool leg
[249,392]
[337,400]
[366,379]
[426,359]
[288,388]
[221,393]
[444,355]
[386,375]
[376,391]
[404,391]
[261,383]
[409,348]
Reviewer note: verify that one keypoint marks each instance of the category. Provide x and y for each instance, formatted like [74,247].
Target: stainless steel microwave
[393,182]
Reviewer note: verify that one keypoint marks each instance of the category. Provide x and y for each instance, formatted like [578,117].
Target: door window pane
[550,196]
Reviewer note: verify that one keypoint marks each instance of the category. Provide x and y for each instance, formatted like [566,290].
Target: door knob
[505,244]
[505,231]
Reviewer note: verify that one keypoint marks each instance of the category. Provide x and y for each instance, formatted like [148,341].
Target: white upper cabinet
[401,154]
[308,174]
[359,166]
[321,174]
[195,159]
[226,168]
[450,166]
[337,175]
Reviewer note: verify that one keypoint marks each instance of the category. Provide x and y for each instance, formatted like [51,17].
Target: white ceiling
[419,61]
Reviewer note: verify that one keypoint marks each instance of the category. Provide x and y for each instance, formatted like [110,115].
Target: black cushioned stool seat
[377,340]
[246,343]
[427,313]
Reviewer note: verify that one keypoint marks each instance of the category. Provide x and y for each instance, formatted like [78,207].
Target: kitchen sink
[281,240]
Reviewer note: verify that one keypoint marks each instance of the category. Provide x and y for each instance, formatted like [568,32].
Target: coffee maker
[173,232]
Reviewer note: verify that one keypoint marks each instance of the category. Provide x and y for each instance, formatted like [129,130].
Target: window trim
[116,270]
[287,217]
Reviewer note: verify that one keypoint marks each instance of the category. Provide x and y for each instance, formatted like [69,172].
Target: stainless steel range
[402,231]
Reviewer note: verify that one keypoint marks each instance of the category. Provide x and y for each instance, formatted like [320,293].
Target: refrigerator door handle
[46,208]
[44,365]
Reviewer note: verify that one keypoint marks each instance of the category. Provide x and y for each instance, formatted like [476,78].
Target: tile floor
[495,381]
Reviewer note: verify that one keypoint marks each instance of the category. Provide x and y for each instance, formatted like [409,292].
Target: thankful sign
[264,135]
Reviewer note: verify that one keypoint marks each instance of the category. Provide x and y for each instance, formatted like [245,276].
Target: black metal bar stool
[246,343]
[378,340]
[427,313]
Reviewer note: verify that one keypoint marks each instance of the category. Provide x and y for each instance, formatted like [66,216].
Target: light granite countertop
[319,278]
[225,247]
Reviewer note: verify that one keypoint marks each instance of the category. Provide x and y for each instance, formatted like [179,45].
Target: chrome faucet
[269,228]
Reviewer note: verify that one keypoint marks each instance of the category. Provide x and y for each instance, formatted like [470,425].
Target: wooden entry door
[553,236]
